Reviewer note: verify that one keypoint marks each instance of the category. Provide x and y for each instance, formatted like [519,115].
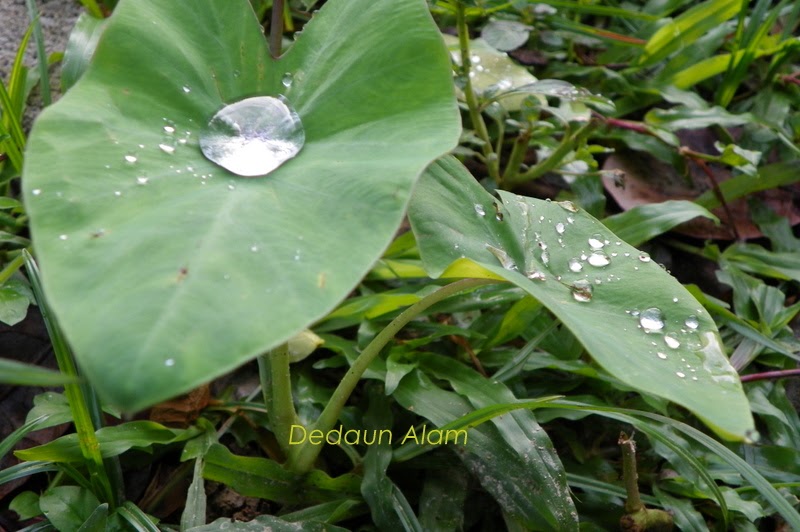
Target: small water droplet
[36,191]
[254,248]
[536,275]
[662,356]
[169,362]
[651,320]
[167,148]
[186,89]
[674,299]
[671,341]
[287,80]
[568,206]
[596,241]
[680,374]
[253,136]
[598,259]
[582,291]
[560,228]
[480,210]
[546,258]
[575,265]
[131,158]
[117,193]
[62,237]
[169,130]
[505,260]
[141,180]
[231,186]
[236,73]
[644,257]
[692,322]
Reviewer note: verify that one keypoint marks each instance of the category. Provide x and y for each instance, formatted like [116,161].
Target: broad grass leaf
[168,271]
[635,320]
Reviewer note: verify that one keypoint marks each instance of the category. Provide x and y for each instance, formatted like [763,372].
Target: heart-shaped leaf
[165,270]
[638,322]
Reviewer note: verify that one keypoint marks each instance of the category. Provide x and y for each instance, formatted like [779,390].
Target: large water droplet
[253,136]
[568,206]
[287,80]
[582,291]
[505,260]
[598,259]
[692,322]
[596,241]
[651,320]
[560,228]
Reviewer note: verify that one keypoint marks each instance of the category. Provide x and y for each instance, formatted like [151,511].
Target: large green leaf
[168,271]
[635,320]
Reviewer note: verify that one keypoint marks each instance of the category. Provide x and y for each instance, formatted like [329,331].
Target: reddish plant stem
[699,160]
[770,375]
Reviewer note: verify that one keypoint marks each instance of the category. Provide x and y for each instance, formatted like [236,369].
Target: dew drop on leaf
[596,241]
[598,259]
[141,180]
[644,257]
[651,320]
[680,374]
[575,265]
[560,228]
[36,191]
[568,206]
[131,158]
[692,322]
[287,80]
[671,341]
[253,136]
[581,291]
[505,260]
[169,362]
[662,356]
[535,275]
[480,210]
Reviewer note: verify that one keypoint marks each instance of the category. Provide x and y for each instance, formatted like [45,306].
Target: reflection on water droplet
[62,237]
[141,180]
[535,275]
[596,241]
[287,80]
[575,265]
[169,362]
[644,257]
[598,259]
[680,374]
[186,89]
[480,210]
[36,191]
[545,258]
[131,158]
[169,130]
[560,228]
[253,248]
[671,341]
[505,260]
[253,136]
[117,193]
[581,291]
[167,148]
[692,322]
[651,320]
[662,356]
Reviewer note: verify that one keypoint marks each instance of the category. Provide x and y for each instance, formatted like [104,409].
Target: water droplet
[186,89]
[169,129]
[62,237]
[598,259]
[236,73]
[680,374]
[662,356]
[141,180]
[167,148]
[560,228]
[480,210]
[692,322]
[568,206]
[131,158]
[287,80]
[254,248]
[505,260]
[644,257]
[36,191]
[117,193]
[575,265]
[671,341]
[545,258]
[231,186]
[651,320]
[674,299]
[253,136]
[596,241]
[535,275]
[169,362]
[581,291]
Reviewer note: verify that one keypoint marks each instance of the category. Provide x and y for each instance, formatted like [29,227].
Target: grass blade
[44,74]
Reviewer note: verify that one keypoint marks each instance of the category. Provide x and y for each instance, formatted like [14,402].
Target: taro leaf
[641,223]
[15,297]
[68,507]
[168,271]
[636,320]
[505,35]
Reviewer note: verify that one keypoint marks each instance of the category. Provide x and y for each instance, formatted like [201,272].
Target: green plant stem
[492,162]
[517,156]
[302,456]
[11,268]
[276,29]
[555,159]
[276,385]
[630,478]
[81,417]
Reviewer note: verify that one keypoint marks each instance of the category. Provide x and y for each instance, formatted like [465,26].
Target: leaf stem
[81,416]
[492,162]
[276,29]
[276,385]
[302,457]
